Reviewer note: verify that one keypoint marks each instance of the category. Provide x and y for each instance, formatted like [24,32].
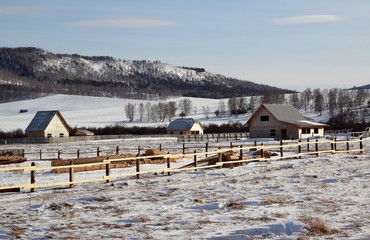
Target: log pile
[158,157]
[80,161]
[11,159]
[228,159]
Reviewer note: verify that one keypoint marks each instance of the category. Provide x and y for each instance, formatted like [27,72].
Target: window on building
[316,130]
[265,118]
[61,134]
[49,135]
[306,131]
[272,132]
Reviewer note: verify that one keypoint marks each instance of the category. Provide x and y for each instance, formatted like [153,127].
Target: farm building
[185,126]
[81,132]
[282,121]
[48,124]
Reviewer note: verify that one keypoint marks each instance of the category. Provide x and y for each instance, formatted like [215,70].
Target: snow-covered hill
[39,71]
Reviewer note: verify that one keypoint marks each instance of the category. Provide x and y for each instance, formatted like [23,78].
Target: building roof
[181,124]
[289,114]
[42,119]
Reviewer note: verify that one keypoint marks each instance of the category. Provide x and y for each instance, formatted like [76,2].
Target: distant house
[185,126]
[282,121]
[48,124]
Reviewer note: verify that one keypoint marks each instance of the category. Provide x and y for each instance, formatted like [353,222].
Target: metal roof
[289,114]
[42,119]
[181,124]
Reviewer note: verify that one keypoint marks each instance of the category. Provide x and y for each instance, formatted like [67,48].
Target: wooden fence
[286,150]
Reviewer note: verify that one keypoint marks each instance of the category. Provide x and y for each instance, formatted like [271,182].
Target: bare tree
[252,103]
[294,100]
[318,99]
[171,109]
[162,111]
[130,111]
[206,111]
[141,111]
[232,103]
[332,101]
[185,106]
[242,105]
[148,108]
[222,108]
[307,96]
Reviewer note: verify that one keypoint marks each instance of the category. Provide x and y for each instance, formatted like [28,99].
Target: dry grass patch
[235,205]
[143,218]
[16,231]
[317,227]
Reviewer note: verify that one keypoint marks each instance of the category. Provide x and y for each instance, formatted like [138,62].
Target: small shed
[48,124]
[282,122]
[185,126]
[81,132]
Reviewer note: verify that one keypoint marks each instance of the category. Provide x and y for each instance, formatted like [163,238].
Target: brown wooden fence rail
[295,149]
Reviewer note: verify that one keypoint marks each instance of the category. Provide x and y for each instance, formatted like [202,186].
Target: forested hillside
[32,72]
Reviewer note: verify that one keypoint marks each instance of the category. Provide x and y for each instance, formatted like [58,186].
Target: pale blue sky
[291,44]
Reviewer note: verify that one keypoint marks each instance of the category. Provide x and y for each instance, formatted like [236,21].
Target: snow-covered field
[84,111]
[325,197]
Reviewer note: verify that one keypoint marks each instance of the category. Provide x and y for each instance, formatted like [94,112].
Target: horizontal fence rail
[286,150]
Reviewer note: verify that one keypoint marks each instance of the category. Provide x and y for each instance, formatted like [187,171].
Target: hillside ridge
[30,72]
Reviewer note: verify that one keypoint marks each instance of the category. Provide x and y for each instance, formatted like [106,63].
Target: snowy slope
[84,111]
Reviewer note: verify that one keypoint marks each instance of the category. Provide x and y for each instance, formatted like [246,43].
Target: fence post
[308,145]
[117,150]
[231,145]
[33,176]
[195,160]
[58,155]
[281,148]
[40,154]
[71,174]
[220,157]
[347,144]
[160,147]
[183,148]
[361,146]
[169,166]
[299,148]
[138,150]
[335,144]
[206,148]
[137,168]
[332,146]
[262,155]
[97,151]
[317,147]
[241,152]
[107,171]
[78,153]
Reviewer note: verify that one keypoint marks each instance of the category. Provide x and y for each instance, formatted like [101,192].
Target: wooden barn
[48,124]
[185,126]
[282,122]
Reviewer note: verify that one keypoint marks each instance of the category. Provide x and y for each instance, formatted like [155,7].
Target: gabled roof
[182,124]
[42,119]
[289,114]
